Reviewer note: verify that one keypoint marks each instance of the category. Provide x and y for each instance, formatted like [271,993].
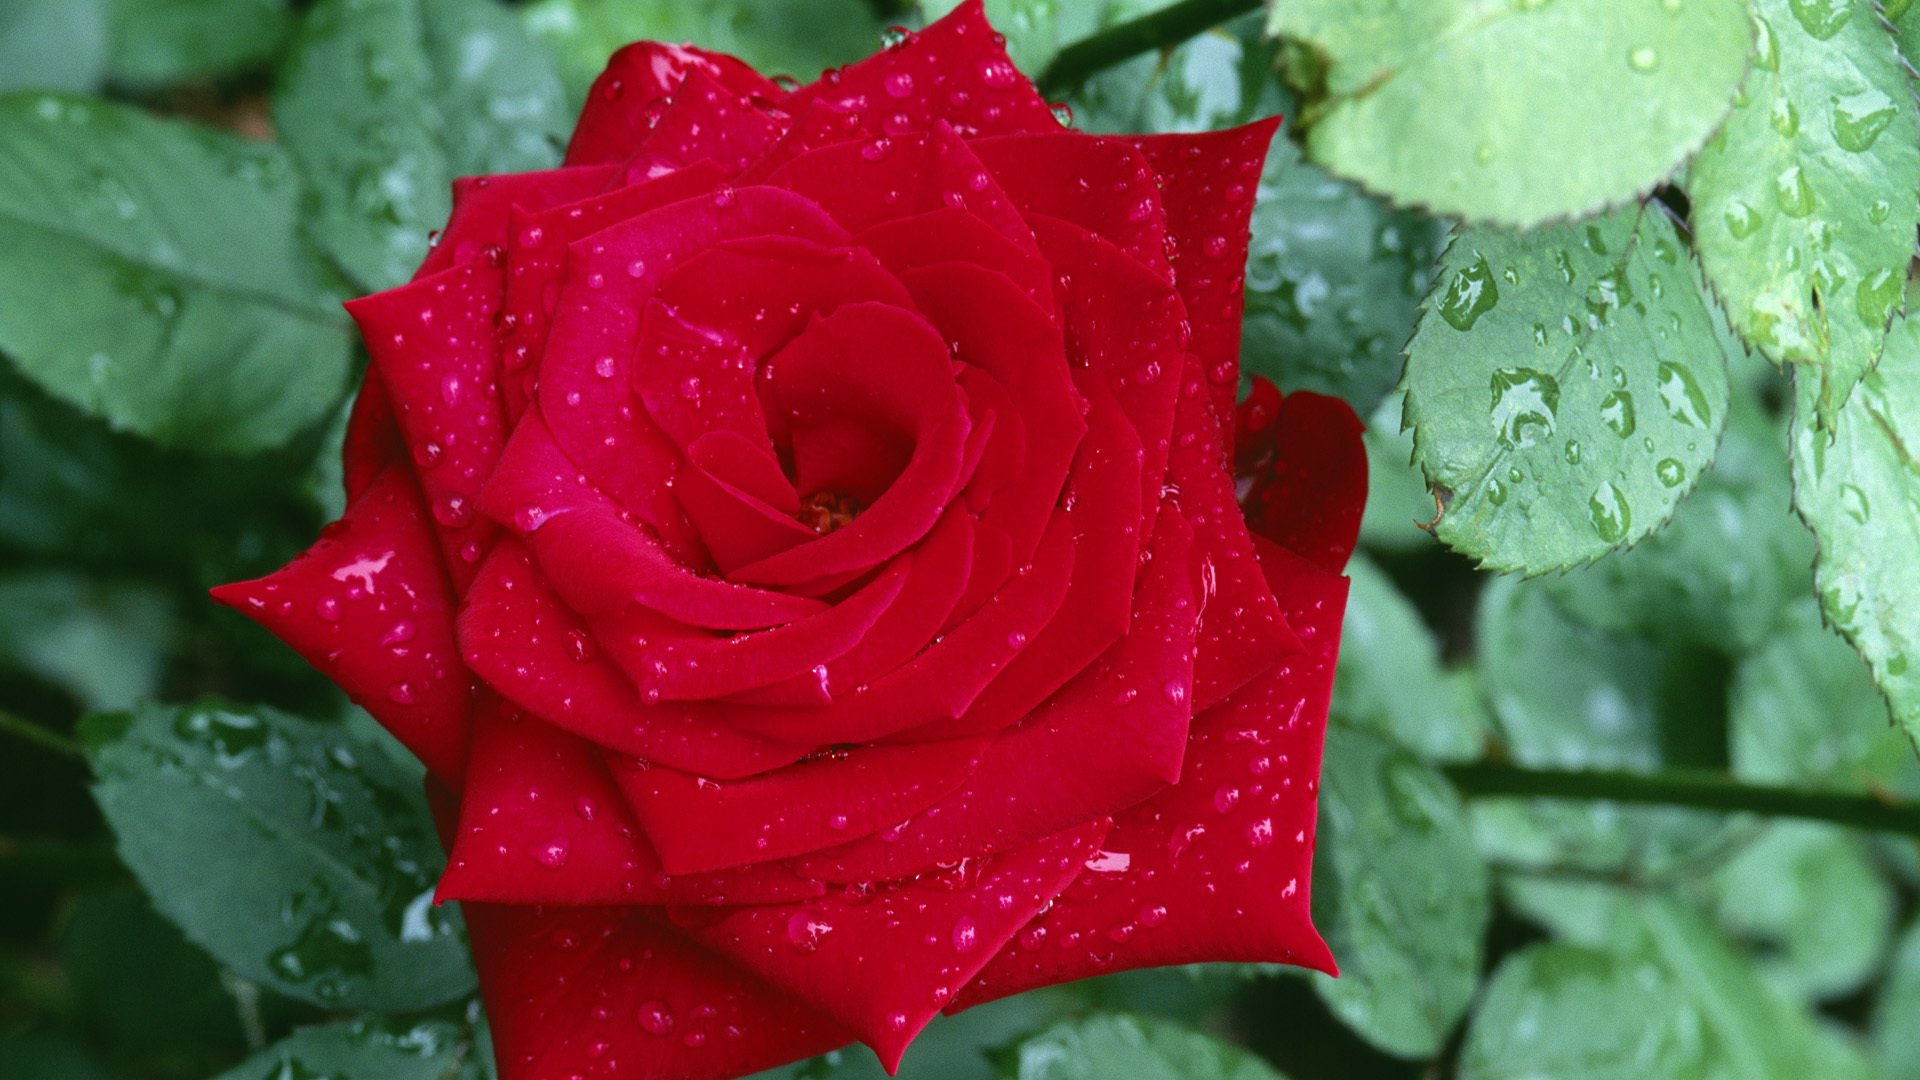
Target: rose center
[825,511]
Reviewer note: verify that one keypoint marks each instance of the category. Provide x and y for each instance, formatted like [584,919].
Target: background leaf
[53,44]
[1805,203]
[1860,494]
[1516,113]
[1131,1046]
[368,1050]
[118,293]
[1567,386]
[1390,677]
[163,41]
[301,858]
[385,102]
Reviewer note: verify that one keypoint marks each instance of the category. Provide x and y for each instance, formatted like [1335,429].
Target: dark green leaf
[1391,679]
[150,273]
[1666,998]
[385,102]
[1724,570]
[52,44]
[370,1049]
[140,986]
[1566,386]
[299,857]
[1858,488]
[1805,203]
[1896,1038]
[1399,892]
[1136,1047]
[951,1048]
[105,642]
[163,41]
[43,1058]
[1517,113]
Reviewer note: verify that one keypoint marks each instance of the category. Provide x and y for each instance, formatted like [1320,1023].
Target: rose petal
[1313,496]
[572,991]
[626,97]
[369,606]
[866,184]
[372,441]
[883,961]
[1102,185]
[705,121]
[1218,867]
[483,206]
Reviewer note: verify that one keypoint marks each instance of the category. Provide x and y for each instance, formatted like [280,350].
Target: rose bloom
[800,539]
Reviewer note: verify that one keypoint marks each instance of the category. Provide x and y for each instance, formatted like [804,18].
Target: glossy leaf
[1471,109]
[385,102]
[1859,491]
[1805,203]
[1137,1047]
[1667,998]
[295,854]
[53,44]
[773,35]
[1566,386]
[163,41]
[1391,679]
[121,293]
[1400,894]
[370,1049]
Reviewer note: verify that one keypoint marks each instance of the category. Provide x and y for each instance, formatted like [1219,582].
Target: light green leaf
[1723,572]
[1567,386]
[951,1048]
[1036,30]
[1399,892]
[52,44]
[151,273]
[385,102]
[1136,1047]
[1517,113]
[164,41]
[1390,677]
[775,36]
[1667,998]
[1221,78]
[103,641]
[1807,901]
[1803,709]
[1805,203]
[1860,494]
[377,1048]
[298,856]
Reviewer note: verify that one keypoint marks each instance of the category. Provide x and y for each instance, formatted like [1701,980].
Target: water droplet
[997,73]
[1683,397]
[552,854]
[965,935]
[1616,411]
[604,367]
[1793,193]
[1523,405]
[1784,117]
[895,36]
[1607,510]
[1572,451]
[1879,294]
[1175,691]
[898,85]
[1822,18]
[1854,501]
[1742,222]
[1670,472]
[876,149]
[806,930]
[327,608]
[1016,640]
[1644,58]
[1469,295]
[655,1018]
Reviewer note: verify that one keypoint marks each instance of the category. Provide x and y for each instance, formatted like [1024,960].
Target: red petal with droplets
[368,605]
[627,97]
[1311,484]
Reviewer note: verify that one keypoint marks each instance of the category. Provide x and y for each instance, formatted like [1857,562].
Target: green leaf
[1803,709]
[1896,1038]
[1136,1047]
[1860,494]
[164,41]
[775,36]
[1218,79]
[44,1058]
[151,274]
[1805,203]
[385,102]
[1725,569]
[1808,902]
[1036,30]
[951,1048]
[1667,998]
[105,642]
[1390,677]
[299,857]
[140,986]
[1517,112]
[377,1048]
[1399,892]
[1398,502]
[52,44]
[1567,386]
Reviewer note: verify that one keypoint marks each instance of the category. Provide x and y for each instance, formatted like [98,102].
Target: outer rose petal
[706,121]
[620,107]
[483,205]
[368,604]
[1312,487]
[1217,867]
[573,991]
[884,962]
[373,439]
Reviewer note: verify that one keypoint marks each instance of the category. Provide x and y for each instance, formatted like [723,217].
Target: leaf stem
[22,728]
[1160,29]
[1689,788]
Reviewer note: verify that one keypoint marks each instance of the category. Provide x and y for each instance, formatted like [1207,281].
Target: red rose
[800,531]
